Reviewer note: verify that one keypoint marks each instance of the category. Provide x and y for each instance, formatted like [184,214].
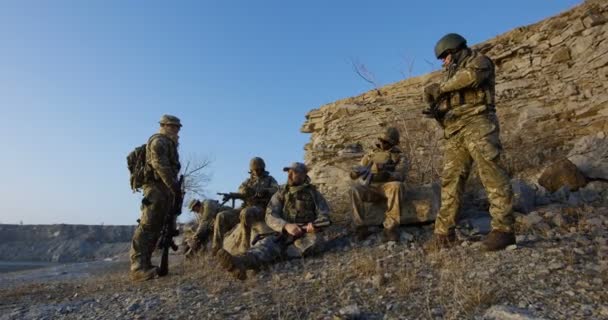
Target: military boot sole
[143,275]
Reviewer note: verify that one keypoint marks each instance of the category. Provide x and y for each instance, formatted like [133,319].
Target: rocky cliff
[552,102]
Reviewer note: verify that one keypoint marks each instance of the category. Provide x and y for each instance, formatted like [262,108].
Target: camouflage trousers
[276,247]
[154,207]
[236,220]
[392,193]
[478,142]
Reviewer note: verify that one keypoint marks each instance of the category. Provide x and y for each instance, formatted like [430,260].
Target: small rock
[507,313]
[532,219]
[309,276]
[352,311]
[133,306]
[556,266]
[511,247]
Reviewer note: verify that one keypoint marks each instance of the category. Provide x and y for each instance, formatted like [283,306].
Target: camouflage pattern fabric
[206,218]
[163,159]
[389,170]
[291,204]
[257,192]
[472,135]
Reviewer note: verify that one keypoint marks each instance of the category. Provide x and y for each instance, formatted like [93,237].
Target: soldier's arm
[321,207]
[159,160]
[477,72]
[244,189]
[400,171]
[273,213]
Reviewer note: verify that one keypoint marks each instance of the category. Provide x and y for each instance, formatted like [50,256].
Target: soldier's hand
[310,227]
[432,92]
[293,229]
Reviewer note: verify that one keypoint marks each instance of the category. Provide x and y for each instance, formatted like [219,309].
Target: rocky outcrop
[552,102]
[62,242]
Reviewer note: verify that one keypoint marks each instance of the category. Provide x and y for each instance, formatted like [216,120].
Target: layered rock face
[552,102]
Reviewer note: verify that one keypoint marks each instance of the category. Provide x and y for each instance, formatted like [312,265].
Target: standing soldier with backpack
[159,180]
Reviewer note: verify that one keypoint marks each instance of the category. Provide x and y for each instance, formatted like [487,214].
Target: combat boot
[237,265]
[391,234]
[361,233]
[440,241]
[143,274]
[498,240]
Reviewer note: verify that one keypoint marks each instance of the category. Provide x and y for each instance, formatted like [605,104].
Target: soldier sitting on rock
[381,174]
[293,213]
[237,224]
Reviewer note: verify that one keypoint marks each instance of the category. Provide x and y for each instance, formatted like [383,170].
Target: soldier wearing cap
[292,213]
[159,190]
[384,169]
[237,225]
[463,104]
[206,212]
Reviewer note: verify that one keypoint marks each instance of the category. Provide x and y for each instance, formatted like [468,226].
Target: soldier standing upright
[463,104]
[160,188]
[384,171]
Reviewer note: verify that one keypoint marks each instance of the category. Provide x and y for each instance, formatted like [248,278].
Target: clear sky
[84,82]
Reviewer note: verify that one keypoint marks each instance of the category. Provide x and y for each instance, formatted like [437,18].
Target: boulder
[562,173]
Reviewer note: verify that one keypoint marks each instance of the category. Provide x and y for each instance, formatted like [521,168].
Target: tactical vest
[482,94]
[173,156]
[299,207]
[387,160]
[258,185]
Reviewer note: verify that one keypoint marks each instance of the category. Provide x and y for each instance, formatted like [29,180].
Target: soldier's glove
[432,93]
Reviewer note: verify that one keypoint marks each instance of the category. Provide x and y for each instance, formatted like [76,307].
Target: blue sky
[84,82]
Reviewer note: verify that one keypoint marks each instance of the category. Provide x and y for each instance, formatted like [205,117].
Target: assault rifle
[230,196]
[317,225]
[170,230]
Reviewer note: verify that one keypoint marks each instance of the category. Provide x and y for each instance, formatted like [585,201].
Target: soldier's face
[258,172]
[172,129]
[447,60]
[295,178]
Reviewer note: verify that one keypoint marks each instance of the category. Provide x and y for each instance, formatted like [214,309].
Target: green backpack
[138,168]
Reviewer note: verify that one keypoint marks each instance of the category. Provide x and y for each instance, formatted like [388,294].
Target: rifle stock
[169,230]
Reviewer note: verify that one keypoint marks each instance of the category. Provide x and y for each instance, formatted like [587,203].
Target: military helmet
[193,203]
[390,135]
[257,163]
[450,41]
[169,119]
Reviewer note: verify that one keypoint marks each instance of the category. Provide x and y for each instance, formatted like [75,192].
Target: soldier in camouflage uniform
[160,188]
[463,104]
[292,213]
[255,193]
[387,168]
[206,212]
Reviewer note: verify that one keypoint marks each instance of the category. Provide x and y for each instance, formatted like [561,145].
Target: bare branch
[365,74]
[196,177]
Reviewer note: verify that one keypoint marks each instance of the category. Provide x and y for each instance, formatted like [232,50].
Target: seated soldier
[293,213]
[381,174]
[255,193]
[206,212]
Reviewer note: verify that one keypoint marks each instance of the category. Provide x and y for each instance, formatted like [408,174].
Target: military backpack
[138,167]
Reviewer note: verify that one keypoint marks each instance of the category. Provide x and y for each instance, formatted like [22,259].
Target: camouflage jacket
[296,204]
[386,165]
[258,190]
[162,159]
[470,88]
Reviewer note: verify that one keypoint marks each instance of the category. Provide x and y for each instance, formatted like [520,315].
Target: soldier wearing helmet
[382,172]
[255,192]
[463,103]
[160,188]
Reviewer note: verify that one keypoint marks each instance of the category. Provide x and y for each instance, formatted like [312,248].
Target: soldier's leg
[155,206]
[224,221]
[359,194]
[456,167]
[248,217]
[264,252]
[395,197]
[495,180]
